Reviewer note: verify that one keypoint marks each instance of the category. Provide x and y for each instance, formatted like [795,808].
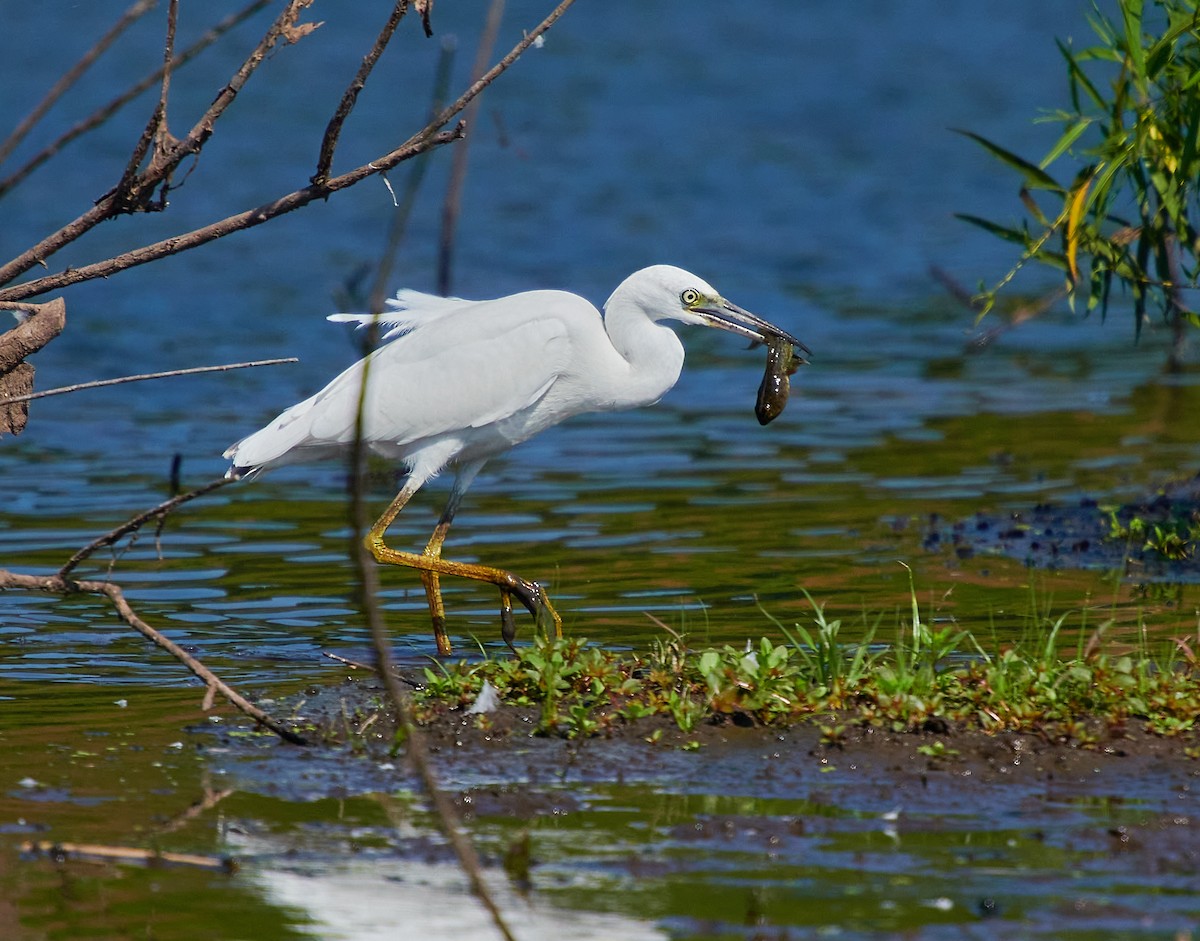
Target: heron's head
[665,292]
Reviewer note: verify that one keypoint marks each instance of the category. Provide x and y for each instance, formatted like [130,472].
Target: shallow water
[802,163]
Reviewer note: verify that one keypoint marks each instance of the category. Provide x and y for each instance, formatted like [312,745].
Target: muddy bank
[728,756]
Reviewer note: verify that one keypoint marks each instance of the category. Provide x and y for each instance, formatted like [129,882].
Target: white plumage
[460,381]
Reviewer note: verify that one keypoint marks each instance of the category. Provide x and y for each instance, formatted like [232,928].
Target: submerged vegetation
[924,677]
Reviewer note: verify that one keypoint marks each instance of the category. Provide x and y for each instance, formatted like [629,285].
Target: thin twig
[128,192]
[100,115]
[133,525]
[496,70]
[61,583]
[71,76]
[458,169]
[403,211]
[168,374]
[333,129]
[216,230]
[415,747]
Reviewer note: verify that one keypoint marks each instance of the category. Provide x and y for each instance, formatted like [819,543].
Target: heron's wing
[474,370]
[466,366]
[406,311]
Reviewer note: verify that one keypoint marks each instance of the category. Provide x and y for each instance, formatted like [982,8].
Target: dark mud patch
[940,769]
[1082,536]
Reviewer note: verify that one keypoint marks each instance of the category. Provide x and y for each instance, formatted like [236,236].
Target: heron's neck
[652,354]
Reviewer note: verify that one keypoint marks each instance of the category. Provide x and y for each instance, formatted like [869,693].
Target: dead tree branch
[100,115]
[61,583]
[424,140]
[136,190]
[133,525]
[57,585]
[16,376]
[235,223]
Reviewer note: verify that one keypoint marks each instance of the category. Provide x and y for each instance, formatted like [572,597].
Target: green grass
[921,674]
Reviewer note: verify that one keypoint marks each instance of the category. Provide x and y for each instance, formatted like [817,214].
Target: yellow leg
[431,566]
[433,588]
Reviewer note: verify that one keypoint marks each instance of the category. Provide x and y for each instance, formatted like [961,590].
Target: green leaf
[1078,78]
[1188,156]
[1035,177]
[1069,136]
[1009,235]
[1163,51]
[1131,13]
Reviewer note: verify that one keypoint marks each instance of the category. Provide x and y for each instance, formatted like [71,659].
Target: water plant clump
[926,677]
[1124,204]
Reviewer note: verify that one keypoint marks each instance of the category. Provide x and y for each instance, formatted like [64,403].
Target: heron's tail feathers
[406,311]
[281,442]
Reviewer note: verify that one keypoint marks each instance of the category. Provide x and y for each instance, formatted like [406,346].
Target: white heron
[462,381]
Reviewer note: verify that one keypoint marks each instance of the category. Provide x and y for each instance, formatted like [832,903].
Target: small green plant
[1172,534]
[937,749]
[1123,207]
[929,676]
[834,665]
[1133,531]
[1170,544]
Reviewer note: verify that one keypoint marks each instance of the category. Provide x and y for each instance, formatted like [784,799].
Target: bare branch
[61,583]
[426,139]
[333,130]
[155,133]
[101,115]
[168,374]
[496,70]
[284,28]
[57,585]
[72,76]
[235,223]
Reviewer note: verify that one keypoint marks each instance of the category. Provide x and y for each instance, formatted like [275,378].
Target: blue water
[801,160]
[799,156]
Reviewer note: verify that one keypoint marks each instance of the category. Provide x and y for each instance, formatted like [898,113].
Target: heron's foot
[537,603]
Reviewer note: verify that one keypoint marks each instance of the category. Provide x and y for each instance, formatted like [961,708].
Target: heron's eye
[690,297]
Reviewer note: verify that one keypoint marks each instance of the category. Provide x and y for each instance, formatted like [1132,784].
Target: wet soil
[939,768]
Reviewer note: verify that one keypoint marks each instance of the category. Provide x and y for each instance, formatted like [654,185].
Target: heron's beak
[724,315]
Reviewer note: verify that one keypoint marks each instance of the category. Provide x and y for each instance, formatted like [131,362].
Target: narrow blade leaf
[1035,177]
